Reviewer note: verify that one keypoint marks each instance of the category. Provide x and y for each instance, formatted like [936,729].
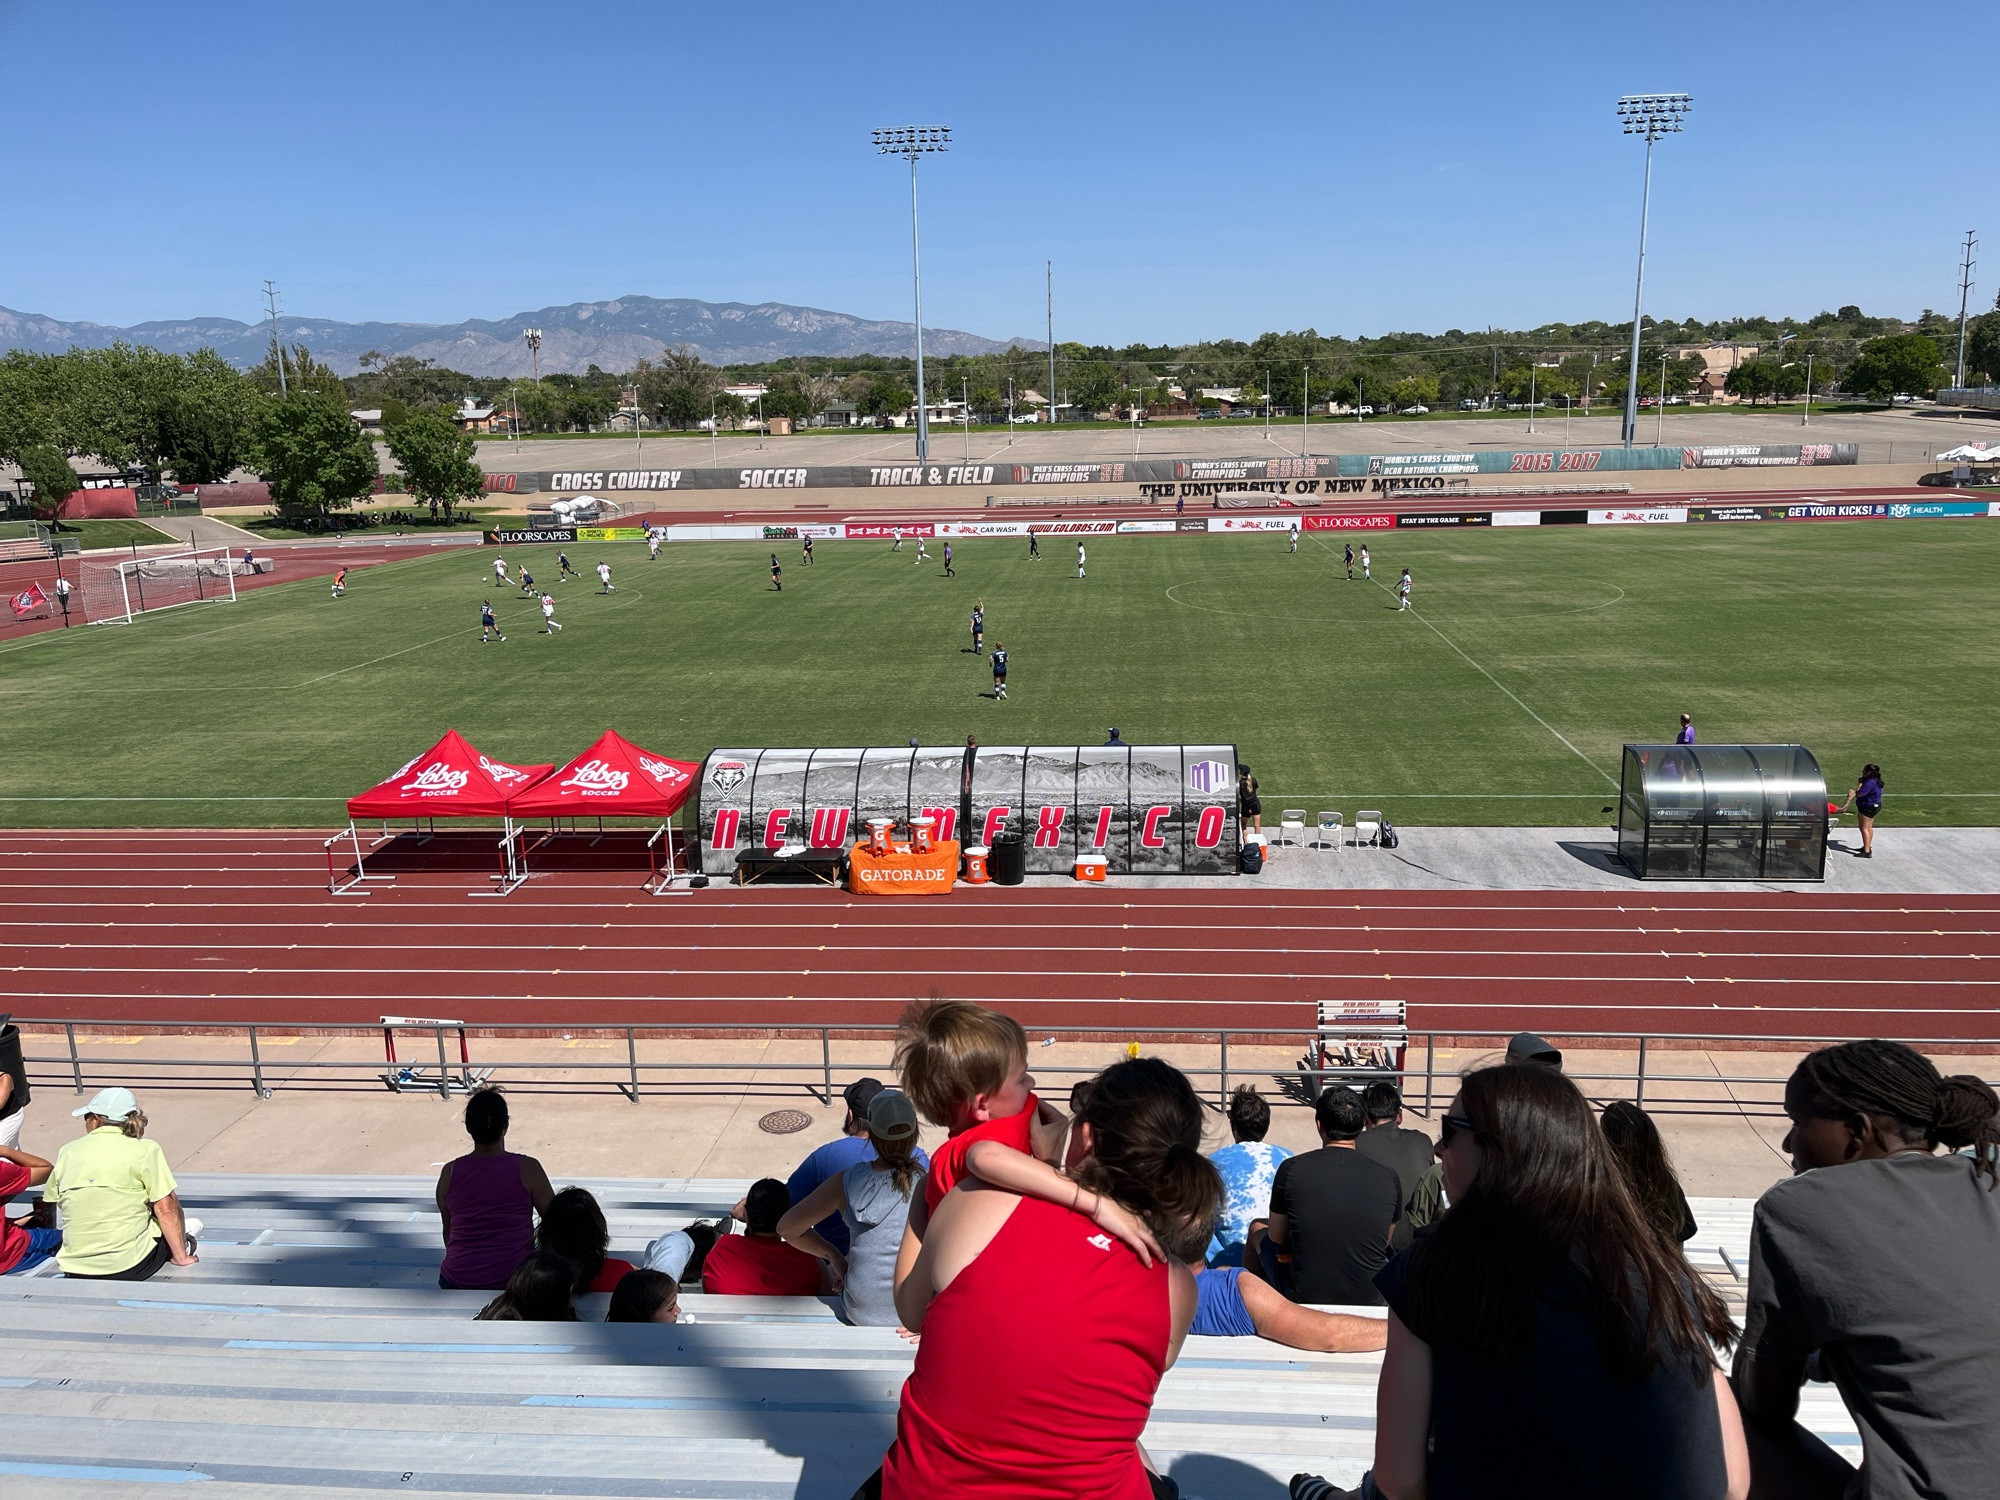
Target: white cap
[110,1104]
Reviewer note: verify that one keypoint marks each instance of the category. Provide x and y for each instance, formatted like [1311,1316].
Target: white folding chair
[1292,827]
[1367,826]
[1332,829]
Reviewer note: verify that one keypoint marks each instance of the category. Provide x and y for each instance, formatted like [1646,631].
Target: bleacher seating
[311,1348]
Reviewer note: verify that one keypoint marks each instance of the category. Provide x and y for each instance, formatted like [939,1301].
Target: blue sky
[1195,171]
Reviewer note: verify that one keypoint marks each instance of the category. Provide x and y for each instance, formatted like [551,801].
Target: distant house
[839,414]
[369,420]
[747,394]
[471,416]
[1717,360]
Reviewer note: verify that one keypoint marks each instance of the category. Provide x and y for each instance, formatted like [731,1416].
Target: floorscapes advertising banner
[1332,474]
[1147,809]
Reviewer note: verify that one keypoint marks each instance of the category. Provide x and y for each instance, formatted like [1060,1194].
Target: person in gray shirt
[1879,1260]
[1407,1153]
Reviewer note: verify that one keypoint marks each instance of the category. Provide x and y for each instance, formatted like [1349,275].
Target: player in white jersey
[500,572]
[550,625]
[604,583]
[1079,559]
[1364,562]
[653,545]
[1403,590]
[898,547]
[1295,536]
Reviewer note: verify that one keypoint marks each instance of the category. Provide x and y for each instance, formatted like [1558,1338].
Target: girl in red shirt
[1044,1335]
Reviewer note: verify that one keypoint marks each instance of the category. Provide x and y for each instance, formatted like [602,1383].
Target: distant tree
[679,388]
[307,448]
[1414,390]
[886,395]
[44,466]
[437,461]
[1982,348]
[302,373]
[1752,380]
[202,426]
[790,395]
[1900,364]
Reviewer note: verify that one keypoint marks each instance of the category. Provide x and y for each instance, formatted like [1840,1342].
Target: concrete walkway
[1912,861]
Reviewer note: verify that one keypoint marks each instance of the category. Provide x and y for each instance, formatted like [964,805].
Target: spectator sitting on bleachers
[1543,1341]
[756,1263]
[122,1218]
[1649,1175]
[24,1244]
[871,1196]
[835,1157]
[1036,1374]
[1407,1153]
[645,1297]
[1247,1166]
[487,1200]
[573,1227]
[537,1292]
[1332,1212]
[1881,1259]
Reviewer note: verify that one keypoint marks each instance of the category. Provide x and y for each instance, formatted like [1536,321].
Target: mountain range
[613,335]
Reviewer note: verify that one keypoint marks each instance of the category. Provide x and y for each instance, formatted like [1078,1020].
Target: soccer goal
[116,593]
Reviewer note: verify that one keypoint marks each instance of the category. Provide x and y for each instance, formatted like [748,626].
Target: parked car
[1367,411]
[1470,403]
[1416,411]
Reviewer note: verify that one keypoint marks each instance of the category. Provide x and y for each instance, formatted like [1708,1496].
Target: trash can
[1009,862]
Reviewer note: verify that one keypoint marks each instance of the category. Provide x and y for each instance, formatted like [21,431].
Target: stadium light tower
[1652,116]
[913,141]
[534,338]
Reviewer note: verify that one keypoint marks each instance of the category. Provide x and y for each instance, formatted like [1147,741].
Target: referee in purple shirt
[1686,736]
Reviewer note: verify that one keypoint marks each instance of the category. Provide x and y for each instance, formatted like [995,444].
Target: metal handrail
[1424,1088]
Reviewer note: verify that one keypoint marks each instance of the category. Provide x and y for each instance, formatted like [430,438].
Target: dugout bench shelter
[1722,812]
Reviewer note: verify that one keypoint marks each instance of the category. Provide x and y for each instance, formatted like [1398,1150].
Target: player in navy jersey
[488,626]
[777,574]
[979,627]
[1349,559]
[999,670]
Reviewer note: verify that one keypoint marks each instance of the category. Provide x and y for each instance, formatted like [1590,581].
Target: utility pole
[1534,370]
[913,141]
[1660,411]
[1804,420]
[533,337]
[1305,414]
[1651,116]
[277,348]
[1051,268]
[1964,292]
[965,413]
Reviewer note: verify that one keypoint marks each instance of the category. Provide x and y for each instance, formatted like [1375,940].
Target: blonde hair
[948,1051]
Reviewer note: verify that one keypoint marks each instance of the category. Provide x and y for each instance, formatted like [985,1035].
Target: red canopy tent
[616,778]
[452,779]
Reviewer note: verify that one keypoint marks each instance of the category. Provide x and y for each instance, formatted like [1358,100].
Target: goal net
[116,593]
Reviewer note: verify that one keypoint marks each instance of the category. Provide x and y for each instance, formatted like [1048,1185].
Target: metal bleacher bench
[311,1349]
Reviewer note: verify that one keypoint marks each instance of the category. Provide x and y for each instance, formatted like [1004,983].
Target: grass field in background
[114,533]
[1532,655]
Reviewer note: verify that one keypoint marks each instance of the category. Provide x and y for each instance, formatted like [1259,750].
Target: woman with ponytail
[1881,1258]
[1050,1306]
[872,1198]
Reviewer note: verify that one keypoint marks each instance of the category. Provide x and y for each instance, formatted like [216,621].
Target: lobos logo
[437,780]
[501,773]
[595,778]
[660,771]
[726,775]
[1210,777]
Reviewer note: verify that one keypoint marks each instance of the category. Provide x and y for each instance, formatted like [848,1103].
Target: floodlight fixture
[912,142]
[1649,116]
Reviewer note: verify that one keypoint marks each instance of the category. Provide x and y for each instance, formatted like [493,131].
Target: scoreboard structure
[1147,809]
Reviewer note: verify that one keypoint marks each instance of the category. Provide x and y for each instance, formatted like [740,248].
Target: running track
[159,927]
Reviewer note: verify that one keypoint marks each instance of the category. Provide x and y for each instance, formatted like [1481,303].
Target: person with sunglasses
[1542,1303]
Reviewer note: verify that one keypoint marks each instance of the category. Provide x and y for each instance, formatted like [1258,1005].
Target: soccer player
[1295,537]
[947,561]
[340,582]
[1079,559]
[777,574]
[550,625]
[652,544]
[500,572]
[1364,563]
[1034,546]
[566,571]
[922,556]
[806,550]
[488,626]
[1403,590]
[604,583]
[527,581]
[1349,560]
[898,547]
[999,670]
[979,628]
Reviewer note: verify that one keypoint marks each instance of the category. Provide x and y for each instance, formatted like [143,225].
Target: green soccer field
[1532,655]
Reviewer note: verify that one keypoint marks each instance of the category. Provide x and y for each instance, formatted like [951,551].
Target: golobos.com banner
[1332,474]
[1148,809]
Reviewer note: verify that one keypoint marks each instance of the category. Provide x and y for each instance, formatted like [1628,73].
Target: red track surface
[162,926]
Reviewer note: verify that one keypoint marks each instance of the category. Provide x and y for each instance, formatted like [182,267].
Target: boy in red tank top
[966,1068]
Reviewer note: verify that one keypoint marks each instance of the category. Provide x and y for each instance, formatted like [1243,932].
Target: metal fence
[1655,1069]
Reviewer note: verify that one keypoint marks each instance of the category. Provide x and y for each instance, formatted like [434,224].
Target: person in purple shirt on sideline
[836,1157]
[1866,800]
[1686,736]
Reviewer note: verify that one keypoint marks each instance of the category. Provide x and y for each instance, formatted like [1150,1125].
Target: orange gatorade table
[903,871]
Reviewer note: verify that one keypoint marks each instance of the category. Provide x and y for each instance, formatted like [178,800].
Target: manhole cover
[784,1122]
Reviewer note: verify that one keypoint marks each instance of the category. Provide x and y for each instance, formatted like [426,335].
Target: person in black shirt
[806,550]
[1649,1175]
[777,574]
[979,628]
[999,670]
[1407,1153]
[1349,558]
[1331,1213]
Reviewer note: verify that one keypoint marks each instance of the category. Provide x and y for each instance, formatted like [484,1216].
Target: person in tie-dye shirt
[1247,1168]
